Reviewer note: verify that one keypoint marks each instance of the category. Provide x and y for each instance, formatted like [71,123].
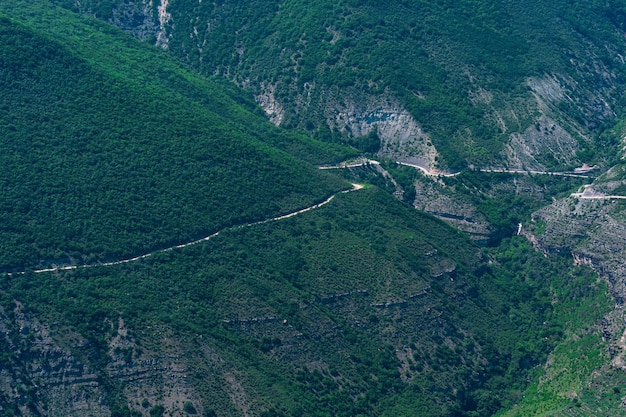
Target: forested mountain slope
[335,312]
[99,164]
[510,83]
[313,296]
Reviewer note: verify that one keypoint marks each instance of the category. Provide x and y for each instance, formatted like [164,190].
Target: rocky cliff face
[42,377]
[56,372]
[454,209]
[402,138]
[543,144]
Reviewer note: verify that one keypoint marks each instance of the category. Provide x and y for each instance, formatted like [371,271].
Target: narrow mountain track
[531,172]
[437,173]
[589,193]
[355,187]
[582,196]
[343,165]
[599,197]
[366,161]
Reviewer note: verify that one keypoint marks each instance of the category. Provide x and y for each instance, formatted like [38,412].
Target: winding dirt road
[585,194]
[366,161]
[519,171]
[355,187]
[437,173]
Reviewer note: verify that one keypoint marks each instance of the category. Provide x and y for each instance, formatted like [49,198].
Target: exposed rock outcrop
[44,372]
[453,209]
[137,18]
[402,138]
[541,145]
[267,100]
[44,377]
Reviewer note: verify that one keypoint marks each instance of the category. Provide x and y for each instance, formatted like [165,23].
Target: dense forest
[319,292]
[153,166]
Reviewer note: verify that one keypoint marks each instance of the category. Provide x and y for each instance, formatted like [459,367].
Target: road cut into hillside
[58,268]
